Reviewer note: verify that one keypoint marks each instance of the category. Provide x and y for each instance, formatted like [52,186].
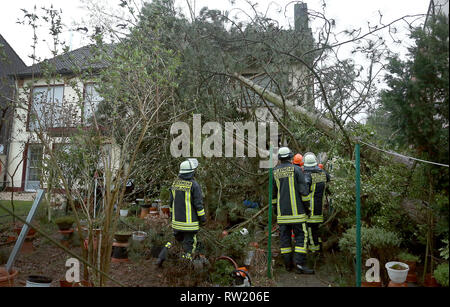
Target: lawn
[22,207]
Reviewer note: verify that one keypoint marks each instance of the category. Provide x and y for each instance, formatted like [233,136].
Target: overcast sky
[347,14]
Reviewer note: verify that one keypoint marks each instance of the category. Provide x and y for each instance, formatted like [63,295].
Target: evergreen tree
[416,102]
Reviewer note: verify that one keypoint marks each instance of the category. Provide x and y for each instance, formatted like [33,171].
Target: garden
[103,218]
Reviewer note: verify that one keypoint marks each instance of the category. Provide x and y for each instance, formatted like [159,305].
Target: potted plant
[411,260]
[397,271]
[122,236]
[441,274]
[145,207]
[65,222]
[124,210]
[82,283]
[7,279]
[18,229]
[139,236]
[38,281]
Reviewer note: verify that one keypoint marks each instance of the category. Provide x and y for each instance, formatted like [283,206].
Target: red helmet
[298,159]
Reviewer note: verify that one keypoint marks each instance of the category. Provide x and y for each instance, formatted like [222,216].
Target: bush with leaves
[221,273]
[235,245]
[375,242]
[441,274]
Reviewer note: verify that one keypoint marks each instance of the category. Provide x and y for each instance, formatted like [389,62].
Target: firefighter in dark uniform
[187,212]
[288,189]
[316,179]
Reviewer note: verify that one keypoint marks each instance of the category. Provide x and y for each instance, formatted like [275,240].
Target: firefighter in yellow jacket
[187,212]
[288,189]
[316,180]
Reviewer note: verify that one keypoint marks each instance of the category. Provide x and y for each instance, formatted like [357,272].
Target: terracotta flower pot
[27,247]
[412,277]
[165,211]
[82,283]
[7,279]
[430,281]
[412,265]
[395,284]
[144,212]
[374,284]
[31,231]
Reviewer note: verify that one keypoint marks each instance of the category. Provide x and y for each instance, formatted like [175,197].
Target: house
[56,104]
[297,79]
[10,64]
[436,7]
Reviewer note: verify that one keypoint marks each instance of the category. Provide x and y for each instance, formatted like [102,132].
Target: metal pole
[358,220]
[269,245]
[24,231]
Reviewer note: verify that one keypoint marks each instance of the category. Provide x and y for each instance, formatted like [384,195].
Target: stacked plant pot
[65,230]
[120,247]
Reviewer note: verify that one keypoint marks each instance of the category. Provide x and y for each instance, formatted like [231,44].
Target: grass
[22,207]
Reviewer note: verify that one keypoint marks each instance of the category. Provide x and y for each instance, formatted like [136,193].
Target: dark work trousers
[301,236]
[188,240]
[313,237]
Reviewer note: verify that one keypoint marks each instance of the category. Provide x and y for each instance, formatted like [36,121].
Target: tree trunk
[311,118]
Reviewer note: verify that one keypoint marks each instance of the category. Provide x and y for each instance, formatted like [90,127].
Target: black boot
[303,269]
[288,265]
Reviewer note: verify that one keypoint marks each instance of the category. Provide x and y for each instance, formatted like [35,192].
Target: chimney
[301,16]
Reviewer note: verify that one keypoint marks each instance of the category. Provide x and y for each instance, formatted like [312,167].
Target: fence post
[358,219]
[269,244]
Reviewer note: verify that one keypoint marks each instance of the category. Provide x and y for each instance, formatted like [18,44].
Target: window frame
[31,100]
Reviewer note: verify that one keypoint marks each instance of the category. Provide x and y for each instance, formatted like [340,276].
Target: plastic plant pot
[139,236]
[123,212]
[38,281]
[397,275]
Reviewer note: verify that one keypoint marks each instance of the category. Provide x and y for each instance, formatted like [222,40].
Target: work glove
[202,221]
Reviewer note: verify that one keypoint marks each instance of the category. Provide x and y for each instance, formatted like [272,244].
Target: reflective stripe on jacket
[288,189]
[316,179]
[186,203]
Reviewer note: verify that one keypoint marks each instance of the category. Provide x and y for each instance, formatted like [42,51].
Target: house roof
[12,63]
[66,63]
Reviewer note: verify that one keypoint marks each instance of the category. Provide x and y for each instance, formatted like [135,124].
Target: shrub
[405,256]
[441,274]
[375,242]
[235,245]
[221,274]
[65,220]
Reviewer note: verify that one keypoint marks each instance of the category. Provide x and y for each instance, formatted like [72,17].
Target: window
[91,100]
[33,172]
[46,108]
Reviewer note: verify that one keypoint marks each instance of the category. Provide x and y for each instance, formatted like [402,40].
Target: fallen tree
[314,119]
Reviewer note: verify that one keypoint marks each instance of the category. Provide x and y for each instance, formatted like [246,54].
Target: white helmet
[284,153]
[194,162]
[310,159]
[186,167]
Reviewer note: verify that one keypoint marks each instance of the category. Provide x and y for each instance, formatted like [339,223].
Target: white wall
[19,134]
